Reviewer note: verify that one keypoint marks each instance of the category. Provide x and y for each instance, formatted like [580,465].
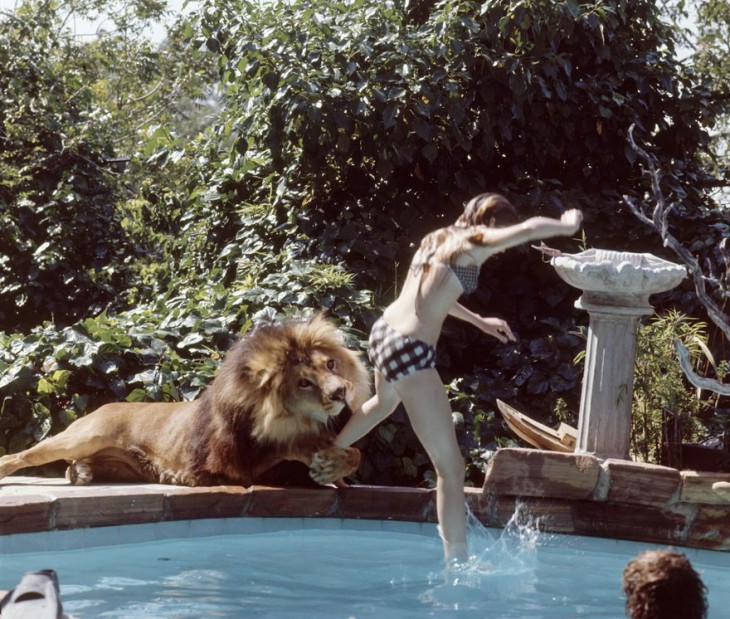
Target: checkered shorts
[396,356]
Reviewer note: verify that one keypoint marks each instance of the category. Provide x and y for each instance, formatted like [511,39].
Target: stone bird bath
[616,289]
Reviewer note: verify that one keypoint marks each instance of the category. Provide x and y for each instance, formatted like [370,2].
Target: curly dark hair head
[662,584]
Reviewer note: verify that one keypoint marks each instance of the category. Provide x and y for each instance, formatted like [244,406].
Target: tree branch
[660,221]
[698,381]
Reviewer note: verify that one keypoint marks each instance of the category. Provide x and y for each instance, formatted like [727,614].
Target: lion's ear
[262,378]
[258,377]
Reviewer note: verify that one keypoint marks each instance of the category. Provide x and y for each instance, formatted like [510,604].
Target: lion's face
[314,387]
[289,378]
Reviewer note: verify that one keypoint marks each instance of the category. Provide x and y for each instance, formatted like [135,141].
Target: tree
[71,117]
[708,285]
[362,125]
[705,29]
[61,239]
[366,124]
[713,58]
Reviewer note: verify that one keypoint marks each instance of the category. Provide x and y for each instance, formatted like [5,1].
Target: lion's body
[271,401]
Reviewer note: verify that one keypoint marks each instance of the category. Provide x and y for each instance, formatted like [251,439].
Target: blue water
[337,569]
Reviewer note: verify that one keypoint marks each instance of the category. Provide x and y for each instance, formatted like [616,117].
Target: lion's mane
[267,411]
[248,416]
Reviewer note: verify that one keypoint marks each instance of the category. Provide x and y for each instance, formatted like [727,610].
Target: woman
[402,342]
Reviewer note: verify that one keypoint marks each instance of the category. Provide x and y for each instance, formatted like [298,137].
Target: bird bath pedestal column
[616,288]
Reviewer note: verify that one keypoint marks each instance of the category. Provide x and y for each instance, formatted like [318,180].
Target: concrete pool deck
[566,493]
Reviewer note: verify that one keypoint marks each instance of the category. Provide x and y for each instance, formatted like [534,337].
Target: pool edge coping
[566,493]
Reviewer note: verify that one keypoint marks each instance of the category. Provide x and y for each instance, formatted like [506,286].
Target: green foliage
[67,113]
[362,109]
[165,351]
[713,23]
[61,244]
[344,132]
[50,377]
[713,58]
[663,401]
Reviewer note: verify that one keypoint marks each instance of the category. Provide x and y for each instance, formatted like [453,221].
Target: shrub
[666,408]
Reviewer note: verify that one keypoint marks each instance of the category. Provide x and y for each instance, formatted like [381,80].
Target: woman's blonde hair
[488,209]
[492,210]
[445,245]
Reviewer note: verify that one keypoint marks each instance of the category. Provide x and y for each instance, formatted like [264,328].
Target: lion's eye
[331,364]
[304,383]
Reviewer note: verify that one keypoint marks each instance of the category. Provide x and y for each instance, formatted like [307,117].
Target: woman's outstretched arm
[496,327]
[529,230]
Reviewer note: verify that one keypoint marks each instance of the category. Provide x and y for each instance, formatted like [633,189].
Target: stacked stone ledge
[564,493]
[580,494]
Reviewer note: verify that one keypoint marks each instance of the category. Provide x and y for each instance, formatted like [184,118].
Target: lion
[271,401]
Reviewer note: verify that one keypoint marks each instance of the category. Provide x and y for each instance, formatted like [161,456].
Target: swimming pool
[333,568]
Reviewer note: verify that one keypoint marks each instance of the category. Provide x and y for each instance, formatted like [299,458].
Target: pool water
[335,569]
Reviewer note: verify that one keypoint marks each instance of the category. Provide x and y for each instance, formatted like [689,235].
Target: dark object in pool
[35,597]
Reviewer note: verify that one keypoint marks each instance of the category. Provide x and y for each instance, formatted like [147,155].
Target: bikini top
[468,276]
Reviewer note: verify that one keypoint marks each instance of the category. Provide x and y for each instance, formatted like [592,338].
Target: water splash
[502,564]
[513,551]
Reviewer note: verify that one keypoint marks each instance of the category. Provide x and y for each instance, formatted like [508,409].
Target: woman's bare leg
[424,398]
[370,414]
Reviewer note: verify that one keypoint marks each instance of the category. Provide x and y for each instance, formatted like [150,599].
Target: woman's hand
[496,327]
[572,218]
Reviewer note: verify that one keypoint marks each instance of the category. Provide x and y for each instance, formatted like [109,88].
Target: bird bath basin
[618,278]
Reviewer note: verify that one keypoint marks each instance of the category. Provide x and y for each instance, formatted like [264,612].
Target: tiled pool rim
[566,493]
[73,539]
[89,537]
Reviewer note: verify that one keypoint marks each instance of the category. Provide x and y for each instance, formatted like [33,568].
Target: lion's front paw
[79,473]
[329,465]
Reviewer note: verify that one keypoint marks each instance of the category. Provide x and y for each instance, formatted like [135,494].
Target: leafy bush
[62,246]
[71,120]
[166,351]
[347,131]
[666,409]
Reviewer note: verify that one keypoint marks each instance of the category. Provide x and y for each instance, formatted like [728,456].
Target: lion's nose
[338,394]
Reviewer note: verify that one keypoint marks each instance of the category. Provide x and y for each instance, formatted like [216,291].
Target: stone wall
[580,494]
[565,493]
